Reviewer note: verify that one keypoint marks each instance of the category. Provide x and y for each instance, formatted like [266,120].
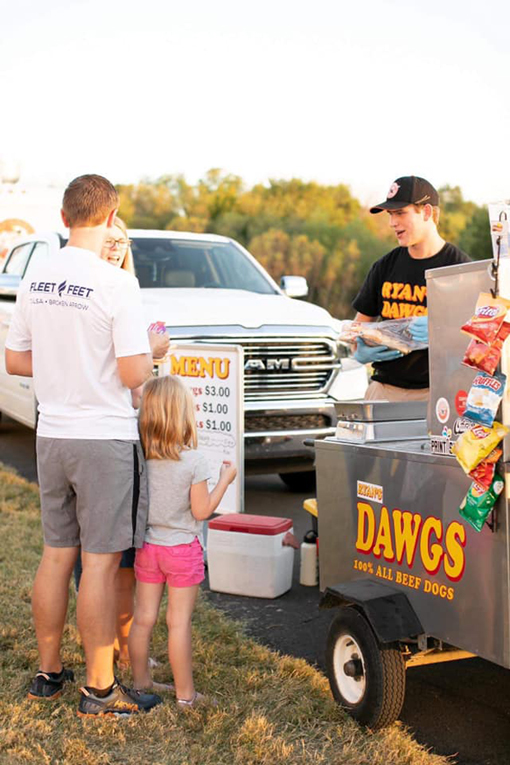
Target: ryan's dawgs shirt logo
[394,189]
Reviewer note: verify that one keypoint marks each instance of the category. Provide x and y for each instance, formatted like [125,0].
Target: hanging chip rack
[494,268]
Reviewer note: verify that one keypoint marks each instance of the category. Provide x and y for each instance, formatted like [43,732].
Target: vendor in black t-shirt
[395,288]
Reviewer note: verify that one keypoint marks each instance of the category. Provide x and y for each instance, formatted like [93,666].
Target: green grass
[272,709]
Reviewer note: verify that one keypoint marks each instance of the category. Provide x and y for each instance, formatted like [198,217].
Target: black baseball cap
[408,190]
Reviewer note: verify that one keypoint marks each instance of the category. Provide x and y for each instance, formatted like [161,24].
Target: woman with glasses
[117,250]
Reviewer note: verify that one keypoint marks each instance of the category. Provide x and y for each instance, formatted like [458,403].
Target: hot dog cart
[410,580]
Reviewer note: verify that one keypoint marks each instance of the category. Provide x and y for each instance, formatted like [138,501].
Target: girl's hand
[227,472]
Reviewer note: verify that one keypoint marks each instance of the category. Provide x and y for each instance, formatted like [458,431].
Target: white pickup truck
[209,289]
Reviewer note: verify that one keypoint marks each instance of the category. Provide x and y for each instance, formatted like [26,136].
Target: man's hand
[419,329]
[367,354]
[159,344]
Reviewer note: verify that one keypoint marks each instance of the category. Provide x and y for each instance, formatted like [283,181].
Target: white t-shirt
[78,314]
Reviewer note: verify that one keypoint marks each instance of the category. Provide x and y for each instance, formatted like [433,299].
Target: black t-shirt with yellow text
[395,288]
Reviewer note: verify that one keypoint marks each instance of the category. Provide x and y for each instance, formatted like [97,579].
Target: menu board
[214,375]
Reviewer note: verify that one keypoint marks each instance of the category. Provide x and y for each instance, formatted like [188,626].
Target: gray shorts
[93,493]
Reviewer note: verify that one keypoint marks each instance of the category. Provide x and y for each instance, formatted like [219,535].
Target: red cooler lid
[251,524]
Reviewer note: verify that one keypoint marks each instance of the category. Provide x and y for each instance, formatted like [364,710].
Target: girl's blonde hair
[167,419]
[128,264]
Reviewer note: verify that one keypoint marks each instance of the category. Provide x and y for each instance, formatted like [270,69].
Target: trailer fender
[387,609]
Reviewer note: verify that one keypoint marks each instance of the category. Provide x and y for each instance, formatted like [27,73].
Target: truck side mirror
[294,286]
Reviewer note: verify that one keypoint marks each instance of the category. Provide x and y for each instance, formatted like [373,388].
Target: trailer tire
[367,678]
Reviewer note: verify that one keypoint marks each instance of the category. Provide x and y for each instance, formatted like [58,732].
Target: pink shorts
[178,566]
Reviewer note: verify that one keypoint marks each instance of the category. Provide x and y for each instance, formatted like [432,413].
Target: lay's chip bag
[474,445]
[479,501]
[486,357]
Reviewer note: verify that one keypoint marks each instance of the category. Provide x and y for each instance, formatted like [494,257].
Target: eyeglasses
[122,244]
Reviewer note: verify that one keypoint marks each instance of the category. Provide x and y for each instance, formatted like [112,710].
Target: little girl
[179,502]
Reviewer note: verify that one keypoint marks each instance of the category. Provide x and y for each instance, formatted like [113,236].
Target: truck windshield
[181,263]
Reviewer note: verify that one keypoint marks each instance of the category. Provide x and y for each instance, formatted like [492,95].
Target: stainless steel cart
[410,580]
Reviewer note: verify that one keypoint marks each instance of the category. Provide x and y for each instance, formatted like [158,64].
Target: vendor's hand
[419,329]
[159,344]
[367,354]
[227,472]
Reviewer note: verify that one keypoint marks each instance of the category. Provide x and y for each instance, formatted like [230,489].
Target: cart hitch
[353,668]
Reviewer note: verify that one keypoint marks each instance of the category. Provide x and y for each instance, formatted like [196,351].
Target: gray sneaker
[120,702]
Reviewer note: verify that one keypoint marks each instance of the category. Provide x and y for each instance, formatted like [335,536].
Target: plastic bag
[479,501]
[474,445]
[486,357]
[393,333]
[484,398]
[488,319]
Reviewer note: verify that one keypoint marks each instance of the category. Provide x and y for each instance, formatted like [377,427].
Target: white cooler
[246,555]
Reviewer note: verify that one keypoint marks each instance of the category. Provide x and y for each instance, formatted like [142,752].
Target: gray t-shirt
[170,520]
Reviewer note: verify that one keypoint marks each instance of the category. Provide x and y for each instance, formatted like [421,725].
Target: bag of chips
[486,357]
[479,501]
[494,455]
[476,444]
[484,473]
[489,316]
[484,398]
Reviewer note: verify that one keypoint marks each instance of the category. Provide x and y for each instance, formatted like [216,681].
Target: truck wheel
[306,481]
[367,678]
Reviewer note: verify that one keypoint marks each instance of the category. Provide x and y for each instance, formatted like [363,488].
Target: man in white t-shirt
[78,328]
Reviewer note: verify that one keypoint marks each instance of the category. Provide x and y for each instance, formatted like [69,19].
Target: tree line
[295,227]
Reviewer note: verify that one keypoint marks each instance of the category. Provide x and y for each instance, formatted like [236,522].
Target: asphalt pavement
[459,708]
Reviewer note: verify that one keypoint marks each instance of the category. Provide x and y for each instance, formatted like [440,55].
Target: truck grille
[282,367]
[287,367]
[278,422]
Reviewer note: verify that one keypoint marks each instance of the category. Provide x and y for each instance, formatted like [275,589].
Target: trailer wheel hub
[349,669]
[353,668]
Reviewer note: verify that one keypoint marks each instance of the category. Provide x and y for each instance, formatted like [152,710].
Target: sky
[335,91]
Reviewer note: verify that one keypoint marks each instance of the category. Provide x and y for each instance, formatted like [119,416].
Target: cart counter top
[414,451]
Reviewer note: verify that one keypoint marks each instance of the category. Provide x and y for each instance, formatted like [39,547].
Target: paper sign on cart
[499,216]
[214,375]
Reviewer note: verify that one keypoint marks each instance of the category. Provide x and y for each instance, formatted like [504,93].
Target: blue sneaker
[49,685]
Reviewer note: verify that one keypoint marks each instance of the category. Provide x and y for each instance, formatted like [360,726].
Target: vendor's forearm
[364,317]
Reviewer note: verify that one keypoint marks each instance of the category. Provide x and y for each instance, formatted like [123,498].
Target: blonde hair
[167,419]
[88,201]
[435,212]
[128,264]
